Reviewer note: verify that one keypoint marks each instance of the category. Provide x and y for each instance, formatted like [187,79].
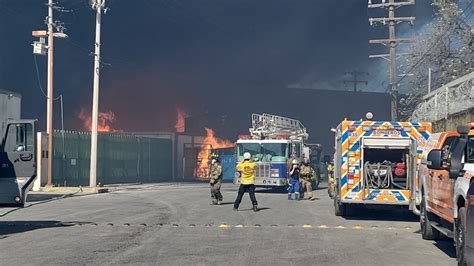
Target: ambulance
[376,162]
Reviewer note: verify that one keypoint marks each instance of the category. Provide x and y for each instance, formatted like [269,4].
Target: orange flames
[106,119]
[180,121]
[210,142]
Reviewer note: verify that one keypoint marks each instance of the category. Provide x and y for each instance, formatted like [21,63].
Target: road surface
[174,224]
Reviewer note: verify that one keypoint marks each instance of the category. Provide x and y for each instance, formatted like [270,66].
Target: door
[441,185]
[17,161]
[412,175]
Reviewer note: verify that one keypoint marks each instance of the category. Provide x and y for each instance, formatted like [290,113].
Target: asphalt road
[174,224]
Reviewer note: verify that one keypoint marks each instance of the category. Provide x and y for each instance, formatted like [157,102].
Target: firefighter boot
[255,209]
[289,196]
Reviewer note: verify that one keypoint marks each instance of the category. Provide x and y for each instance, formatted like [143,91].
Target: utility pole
[355,75]
[49,113]
[40,48]
[392,42]
[98,5]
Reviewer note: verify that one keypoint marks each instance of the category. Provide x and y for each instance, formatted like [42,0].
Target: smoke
[379,67]
[195,54]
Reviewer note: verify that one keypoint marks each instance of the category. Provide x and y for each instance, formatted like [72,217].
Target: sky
[158,55]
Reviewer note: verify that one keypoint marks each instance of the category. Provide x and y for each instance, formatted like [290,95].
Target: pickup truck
[445,176]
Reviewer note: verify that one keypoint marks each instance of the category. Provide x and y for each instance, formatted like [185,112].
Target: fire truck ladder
[267,125]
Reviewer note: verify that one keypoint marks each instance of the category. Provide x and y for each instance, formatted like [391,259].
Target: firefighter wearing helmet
[215,179]
[294,182]
[306,175]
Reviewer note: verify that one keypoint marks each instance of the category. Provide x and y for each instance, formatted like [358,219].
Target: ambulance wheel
[459,236]
[339,208]
[428,232]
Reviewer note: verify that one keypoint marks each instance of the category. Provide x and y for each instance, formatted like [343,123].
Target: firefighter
[246,168]
[215,179]
[306,174]
[330,169]
[294,183]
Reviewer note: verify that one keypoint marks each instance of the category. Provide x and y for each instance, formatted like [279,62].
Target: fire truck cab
[376,163]
[273,142]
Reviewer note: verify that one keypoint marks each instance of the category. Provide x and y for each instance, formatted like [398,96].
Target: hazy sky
[159,54]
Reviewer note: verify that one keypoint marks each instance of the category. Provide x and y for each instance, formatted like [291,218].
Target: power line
[355,78]
[39,82]
[440,38]
[391,21]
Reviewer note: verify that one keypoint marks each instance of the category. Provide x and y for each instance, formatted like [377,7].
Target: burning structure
[105,122]
[210,142]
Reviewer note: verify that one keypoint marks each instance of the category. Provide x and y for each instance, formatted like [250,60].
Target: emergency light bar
[282,136]
[244,136]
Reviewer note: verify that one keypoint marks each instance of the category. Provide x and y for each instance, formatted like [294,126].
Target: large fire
[210,142]
[106,119]
[180,121]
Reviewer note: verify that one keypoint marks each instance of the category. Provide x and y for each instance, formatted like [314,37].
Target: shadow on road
[447,246]
[43,197]
[15,227]
[227,203]
[259,209]
[380,213]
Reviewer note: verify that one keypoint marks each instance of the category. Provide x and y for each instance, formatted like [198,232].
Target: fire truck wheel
[339,207]
[428,232]
[459,236]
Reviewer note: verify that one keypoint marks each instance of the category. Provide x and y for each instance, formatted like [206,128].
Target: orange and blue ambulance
[376,162]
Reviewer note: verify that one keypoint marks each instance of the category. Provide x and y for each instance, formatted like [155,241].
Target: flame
[180,121]
[106,119]
[210,142]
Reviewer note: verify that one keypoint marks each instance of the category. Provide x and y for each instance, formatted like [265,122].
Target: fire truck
[376,163]
[18,161]
[273,142]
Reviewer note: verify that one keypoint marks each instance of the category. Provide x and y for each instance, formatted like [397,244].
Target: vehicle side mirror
[435,159]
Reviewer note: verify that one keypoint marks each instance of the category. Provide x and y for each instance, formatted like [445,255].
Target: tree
[446,45]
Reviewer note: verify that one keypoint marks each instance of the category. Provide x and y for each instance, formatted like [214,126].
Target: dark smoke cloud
[159,54]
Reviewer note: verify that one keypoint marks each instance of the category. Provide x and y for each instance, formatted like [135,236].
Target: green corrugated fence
[121,159]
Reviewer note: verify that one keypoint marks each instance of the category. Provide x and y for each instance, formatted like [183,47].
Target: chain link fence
[451,99]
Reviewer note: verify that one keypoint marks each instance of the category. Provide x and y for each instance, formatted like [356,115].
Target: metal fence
[121,159]
[455,97]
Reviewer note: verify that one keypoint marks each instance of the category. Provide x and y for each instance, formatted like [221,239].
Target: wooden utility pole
[355,78]
[49,115]
[392,43]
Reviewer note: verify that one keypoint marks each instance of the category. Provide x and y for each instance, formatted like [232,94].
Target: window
[254,149]
[19,138]
[274,152]
[297,150]
[447,147]
[470,150]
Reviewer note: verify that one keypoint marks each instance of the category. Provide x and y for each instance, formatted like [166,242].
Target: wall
[453,121]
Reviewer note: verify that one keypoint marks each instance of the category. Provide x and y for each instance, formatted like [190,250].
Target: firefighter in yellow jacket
[331,186]
[215,179]
[306,175]
[246,168]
